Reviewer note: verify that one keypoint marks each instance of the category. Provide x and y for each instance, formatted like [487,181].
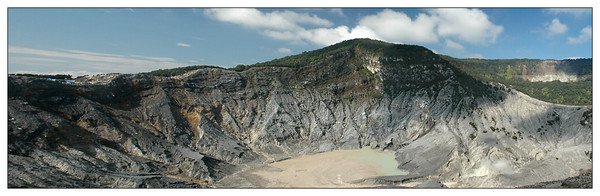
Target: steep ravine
[194,129]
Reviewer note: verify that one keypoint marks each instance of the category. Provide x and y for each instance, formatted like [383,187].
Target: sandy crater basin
[333,169]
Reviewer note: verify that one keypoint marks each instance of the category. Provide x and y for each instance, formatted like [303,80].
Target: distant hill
[557,81]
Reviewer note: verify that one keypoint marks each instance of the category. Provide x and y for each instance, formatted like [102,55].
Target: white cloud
[276,20]
[23,58]
[39,60]
[284,50]
[556,28]
[453,45]
[584,35]
[84,55]
[577,12]
[322,36]
[184,45]
[398,27]
[328,36]
[467,25]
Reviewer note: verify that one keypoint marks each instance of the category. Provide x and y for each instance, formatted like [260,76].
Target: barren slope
[196,128]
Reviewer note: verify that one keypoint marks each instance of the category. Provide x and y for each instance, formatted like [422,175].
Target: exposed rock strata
[192,130]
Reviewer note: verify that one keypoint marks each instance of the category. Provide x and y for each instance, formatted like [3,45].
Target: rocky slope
[191,130]
[581,181]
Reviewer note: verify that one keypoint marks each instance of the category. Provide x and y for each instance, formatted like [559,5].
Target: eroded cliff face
[193,129]
[551,70]
[531,70]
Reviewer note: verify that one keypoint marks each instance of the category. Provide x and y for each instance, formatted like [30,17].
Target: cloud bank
[79,62]
[466,25]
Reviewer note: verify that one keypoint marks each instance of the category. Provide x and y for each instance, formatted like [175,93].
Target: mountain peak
[364,45]
[362,42]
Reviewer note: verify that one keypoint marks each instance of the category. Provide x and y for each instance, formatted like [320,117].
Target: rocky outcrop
[193,129]
[581,181]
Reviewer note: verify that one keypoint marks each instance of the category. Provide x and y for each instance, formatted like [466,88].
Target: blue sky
[86,40]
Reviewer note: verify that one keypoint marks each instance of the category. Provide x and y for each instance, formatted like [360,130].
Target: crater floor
[335,169]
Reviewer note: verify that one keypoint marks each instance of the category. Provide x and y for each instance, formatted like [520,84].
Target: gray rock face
[194,129]
[581,181]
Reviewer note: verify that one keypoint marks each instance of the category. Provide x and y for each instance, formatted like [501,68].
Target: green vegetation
[329,52]
[239,68]
[404,64]
[370,76]
[507,71]
[409,67]
[569,93]
[179,70]
[374,47]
